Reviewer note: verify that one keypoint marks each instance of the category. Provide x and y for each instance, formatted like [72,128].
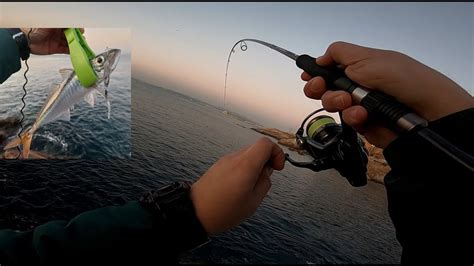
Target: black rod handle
[384,108]
[380,106]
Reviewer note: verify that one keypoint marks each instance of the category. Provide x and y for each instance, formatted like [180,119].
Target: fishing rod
[380,107]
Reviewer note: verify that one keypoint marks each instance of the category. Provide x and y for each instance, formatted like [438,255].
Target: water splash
[54,139]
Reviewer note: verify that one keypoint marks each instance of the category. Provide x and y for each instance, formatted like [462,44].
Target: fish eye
[100,59]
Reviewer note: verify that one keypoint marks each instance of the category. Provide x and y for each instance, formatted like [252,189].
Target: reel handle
[315,165]
[379,106]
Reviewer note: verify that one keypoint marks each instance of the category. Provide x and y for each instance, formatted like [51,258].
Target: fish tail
[26,143]
[12,144]
[24,140]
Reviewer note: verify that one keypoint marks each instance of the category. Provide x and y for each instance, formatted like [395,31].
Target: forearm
[108,229]
[9,56]
[129,232]
[426,190]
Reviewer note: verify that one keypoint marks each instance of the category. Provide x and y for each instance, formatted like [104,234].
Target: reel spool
[323,128]
[332,145]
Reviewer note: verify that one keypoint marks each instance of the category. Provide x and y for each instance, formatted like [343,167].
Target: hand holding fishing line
[431,94]
[79,83]
[233,188]
[46,41]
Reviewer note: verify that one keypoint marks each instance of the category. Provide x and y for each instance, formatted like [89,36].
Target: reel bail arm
[315,165]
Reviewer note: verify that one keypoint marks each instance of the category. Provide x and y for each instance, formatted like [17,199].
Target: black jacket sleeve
[428,194]
[9,56]
[124,235]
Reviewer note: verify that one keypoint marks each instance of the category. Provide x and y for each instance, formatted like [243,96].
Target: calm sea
[307,217]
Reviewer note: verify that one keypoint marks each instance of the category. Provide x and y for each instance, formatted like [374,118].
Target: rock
[299,151]
[292,146]
[377,167]
[11,122]
[373,151]
[290,143]
[376,170]
[284,138]
[3,136]
[275,133]
[8,127]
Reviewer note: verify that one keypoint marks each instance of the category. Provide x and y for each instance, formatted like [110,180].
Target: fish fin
[66,72]
[105,95]
[65,116]
[24,140]
[26,143]
[108,103]
[54,89]
[90,98]
[12,144]
[99,92]
[108,109]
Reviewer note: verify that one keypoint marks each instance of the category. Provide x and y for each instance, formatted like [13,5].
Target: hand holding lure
[80,83]
[81,55]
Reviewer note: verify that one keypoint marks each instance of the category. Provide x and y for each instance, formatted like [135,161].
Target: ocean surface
[89,134]
[307,217]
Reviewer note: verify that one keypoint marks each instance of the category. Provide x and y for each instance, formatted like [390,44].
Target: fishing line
[24,95]
[243,47]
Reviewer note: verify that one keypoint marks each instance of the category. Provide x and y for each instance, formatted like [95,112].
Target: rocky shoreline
[377,167]
[12,154]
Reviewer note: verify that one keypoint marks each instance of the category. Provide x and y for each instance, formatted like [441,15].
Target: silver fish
[70,92]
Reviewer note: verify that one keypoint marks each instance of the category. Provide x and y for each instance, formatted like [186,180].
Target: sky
[116,38]
[184,46]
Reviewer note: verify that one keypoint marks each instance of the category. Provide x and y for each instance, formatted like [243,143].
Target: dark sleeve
[9,56]
[112,234]
[428,194]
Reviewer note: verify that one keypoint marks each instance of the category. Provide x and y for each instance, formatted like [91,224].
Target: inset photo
[65,93]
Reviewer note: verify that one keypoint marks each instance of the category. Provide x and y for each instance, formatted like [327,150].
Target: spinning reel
[332,145]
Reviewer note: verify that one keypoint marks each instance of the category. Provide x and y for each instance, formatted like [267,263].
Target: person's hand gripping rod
[380,107]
